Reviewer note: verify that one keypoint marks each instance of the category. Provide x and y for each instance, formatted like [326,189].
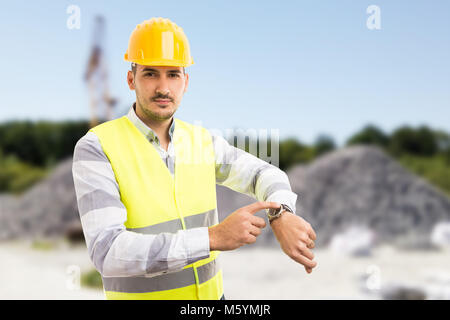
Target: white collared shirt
[117,252]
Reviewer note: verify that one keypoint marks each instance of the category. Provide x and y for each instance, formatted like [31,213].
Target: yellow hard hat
[159,42]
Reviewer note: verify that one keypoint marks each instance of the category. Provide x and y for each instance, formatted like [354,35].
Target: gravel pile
[362,185]
[49,208]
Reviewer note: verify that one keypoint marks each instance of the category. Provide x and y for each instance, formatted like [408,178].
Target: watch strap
[272,216]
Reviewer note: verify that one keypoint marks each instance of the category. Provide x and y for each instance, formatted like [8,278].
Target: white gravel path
[256,273]
[249,273]
[27,273]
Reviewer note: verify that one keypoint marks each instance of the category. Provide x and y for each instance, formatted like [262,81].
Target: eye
[149,74]
[174,75]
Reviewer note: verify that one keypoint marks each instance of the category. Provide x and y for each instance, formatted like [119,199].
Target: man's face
[159,90]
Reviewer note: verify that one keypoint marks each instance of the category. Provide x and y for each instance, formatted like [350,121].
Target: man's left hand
[296,238]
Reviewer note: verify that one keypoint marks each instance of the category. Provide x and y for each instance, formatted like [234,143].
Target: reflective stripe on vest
[156,202]
[208,219]
[168,281]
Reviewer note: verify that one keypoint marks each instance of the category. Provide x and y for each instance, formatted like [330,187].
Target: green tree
[17,176]
[41,143]
[443,144]
[407,140]
[292,152]
[323,144]
[370,134]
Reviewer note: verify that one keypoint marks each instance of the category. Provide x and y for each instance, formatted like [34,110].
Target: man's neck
[160,127]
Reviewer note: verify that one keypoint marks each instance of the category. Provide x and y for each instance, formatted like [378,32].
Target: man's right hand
[240,227]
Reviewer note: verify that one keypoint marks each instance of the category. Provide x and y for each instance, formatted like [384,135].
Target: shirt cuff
[285,197]
[197,242]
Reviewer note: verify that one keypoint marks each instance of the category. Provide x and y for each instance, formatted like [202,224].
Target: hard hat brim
[168,63]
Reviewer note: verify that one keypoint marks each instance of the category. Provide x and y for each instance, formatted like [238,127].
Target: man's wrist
[212,242]
[274,216]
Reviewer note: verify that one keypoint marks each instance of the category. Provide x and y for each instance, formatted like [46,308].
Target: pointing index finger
[257,206]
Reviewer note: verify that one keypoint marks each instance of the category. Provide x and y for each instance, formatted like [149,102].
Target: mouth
[162,101]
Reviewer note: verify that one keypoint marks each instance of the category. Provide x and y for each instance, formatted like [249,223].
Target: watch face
[273,212]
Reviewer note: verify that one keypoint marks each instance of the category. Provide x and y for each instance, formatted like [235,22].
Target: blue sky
[303,67]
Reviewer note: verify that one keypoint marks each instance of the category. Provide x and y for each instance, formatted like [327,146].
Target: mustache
[161,96]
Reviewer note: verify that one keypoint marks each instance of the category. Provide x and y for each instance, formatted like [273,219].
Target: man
[151,226]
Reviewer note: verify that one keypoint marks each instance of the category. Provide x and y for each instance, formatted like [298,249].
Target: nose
[163,87]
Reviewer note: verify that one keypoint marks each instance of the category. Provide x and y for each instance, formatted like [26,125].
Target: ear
[186,82]
[130,80]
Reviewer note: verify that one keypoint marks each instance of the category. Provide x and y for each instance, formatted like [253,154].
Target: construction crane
[96,77]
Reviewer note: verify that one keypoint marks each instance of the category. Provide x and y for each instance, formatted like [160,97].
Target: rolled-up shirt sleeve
[115,251]
[245,173]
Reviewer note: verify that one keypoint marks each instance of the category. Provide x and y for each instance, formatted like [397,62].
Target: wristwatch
[272,214]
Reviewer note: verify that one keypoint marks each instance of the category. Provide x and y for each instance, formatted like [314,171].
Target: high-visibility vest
[157,202]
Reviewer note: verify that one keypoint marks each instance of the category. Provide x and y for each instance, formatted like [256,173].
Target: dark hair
[133,68]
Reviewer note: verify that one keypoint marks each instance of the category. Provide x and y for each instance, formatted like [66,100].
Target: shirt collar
[143,128]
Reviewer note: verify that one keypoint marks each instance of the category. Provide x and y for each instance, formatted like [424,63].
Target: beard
[159,115]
